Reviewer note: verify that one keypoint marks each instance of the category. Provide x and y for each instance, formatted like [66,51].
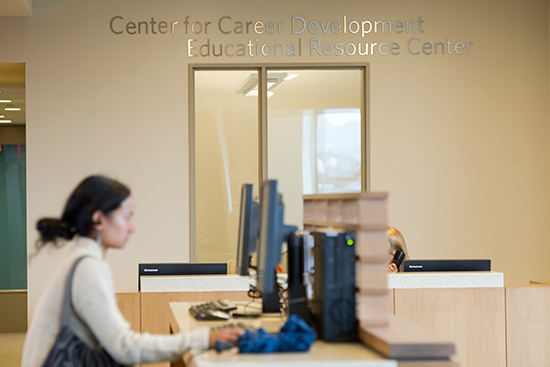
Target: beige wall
[459,142]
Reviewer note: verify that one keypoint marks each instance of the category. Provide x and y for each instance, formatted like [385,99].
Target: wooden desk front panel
[528,326]
[129,305]
[473,317]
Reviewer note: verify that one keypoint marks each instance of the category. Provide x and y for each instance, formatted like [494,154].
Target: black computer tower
[333,304]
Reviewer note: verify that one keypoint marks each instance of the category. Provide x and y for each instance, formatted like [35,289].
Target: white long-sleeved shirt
[94,302]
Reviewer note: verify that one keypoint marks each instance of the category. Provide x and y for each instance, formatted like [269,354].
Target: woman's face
[392,268]
[391,255]
[391,251]
[117,227]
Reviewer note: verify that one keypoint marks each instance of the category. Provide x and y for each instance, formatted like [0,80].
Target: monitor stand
[270,301]
[297,295]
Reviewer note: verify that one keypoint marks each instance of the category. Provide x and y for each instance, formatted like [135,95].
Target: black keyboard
[206,308]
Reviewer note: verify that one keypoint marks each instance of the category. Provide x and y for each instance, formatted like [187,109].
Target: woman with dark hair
[98,215]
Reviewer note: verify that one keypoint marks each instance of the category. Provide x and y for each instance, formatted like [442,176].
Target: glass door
[305,127]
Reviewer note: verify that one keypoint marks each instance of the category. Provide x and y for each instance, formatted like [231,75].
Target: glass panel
[226,156]
[13,214]
[337,153]
[314,134]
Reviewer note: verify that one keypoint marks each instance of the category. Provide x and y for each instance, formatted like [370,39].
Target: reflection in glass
[314,134]
[226,156]
[337,151]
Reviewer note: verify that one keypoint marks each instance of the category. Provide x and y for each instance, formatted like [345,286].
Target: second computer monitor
[249,225]
[273,232]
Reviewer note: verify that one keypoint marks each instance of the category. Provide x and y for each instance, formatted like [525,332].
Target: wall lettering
[296,36]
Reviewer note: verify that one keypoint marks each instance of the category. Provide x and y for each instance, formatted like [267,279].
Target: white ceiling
[314,88]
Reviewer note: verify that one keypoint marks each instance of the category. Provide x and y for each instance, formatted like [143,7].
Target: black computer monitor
[249,226]
[273,232]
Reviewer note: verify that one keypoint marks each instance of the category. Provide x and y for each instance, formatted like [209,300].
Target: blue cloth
[295,336]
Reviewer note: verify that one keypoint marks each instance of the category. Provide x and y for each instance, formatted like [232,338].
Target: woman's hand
[392,268]
[225,335]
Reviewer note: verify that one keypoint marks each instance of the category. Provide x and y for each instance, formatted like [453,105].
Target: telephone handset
[398,258]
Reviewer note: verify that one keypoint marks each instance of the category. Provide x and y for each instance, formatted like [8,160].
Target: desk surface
[320,354]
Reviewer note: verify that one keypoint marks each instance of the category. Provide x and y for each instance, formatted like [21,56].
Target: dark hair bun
[51,228]
[94,193]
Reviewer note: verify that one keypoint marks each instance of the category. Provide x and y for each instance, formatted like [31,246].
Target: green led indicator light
[350,242]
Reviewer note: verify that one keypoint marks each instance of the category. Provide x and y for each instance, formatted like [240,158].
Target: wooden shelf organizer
[366,214]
